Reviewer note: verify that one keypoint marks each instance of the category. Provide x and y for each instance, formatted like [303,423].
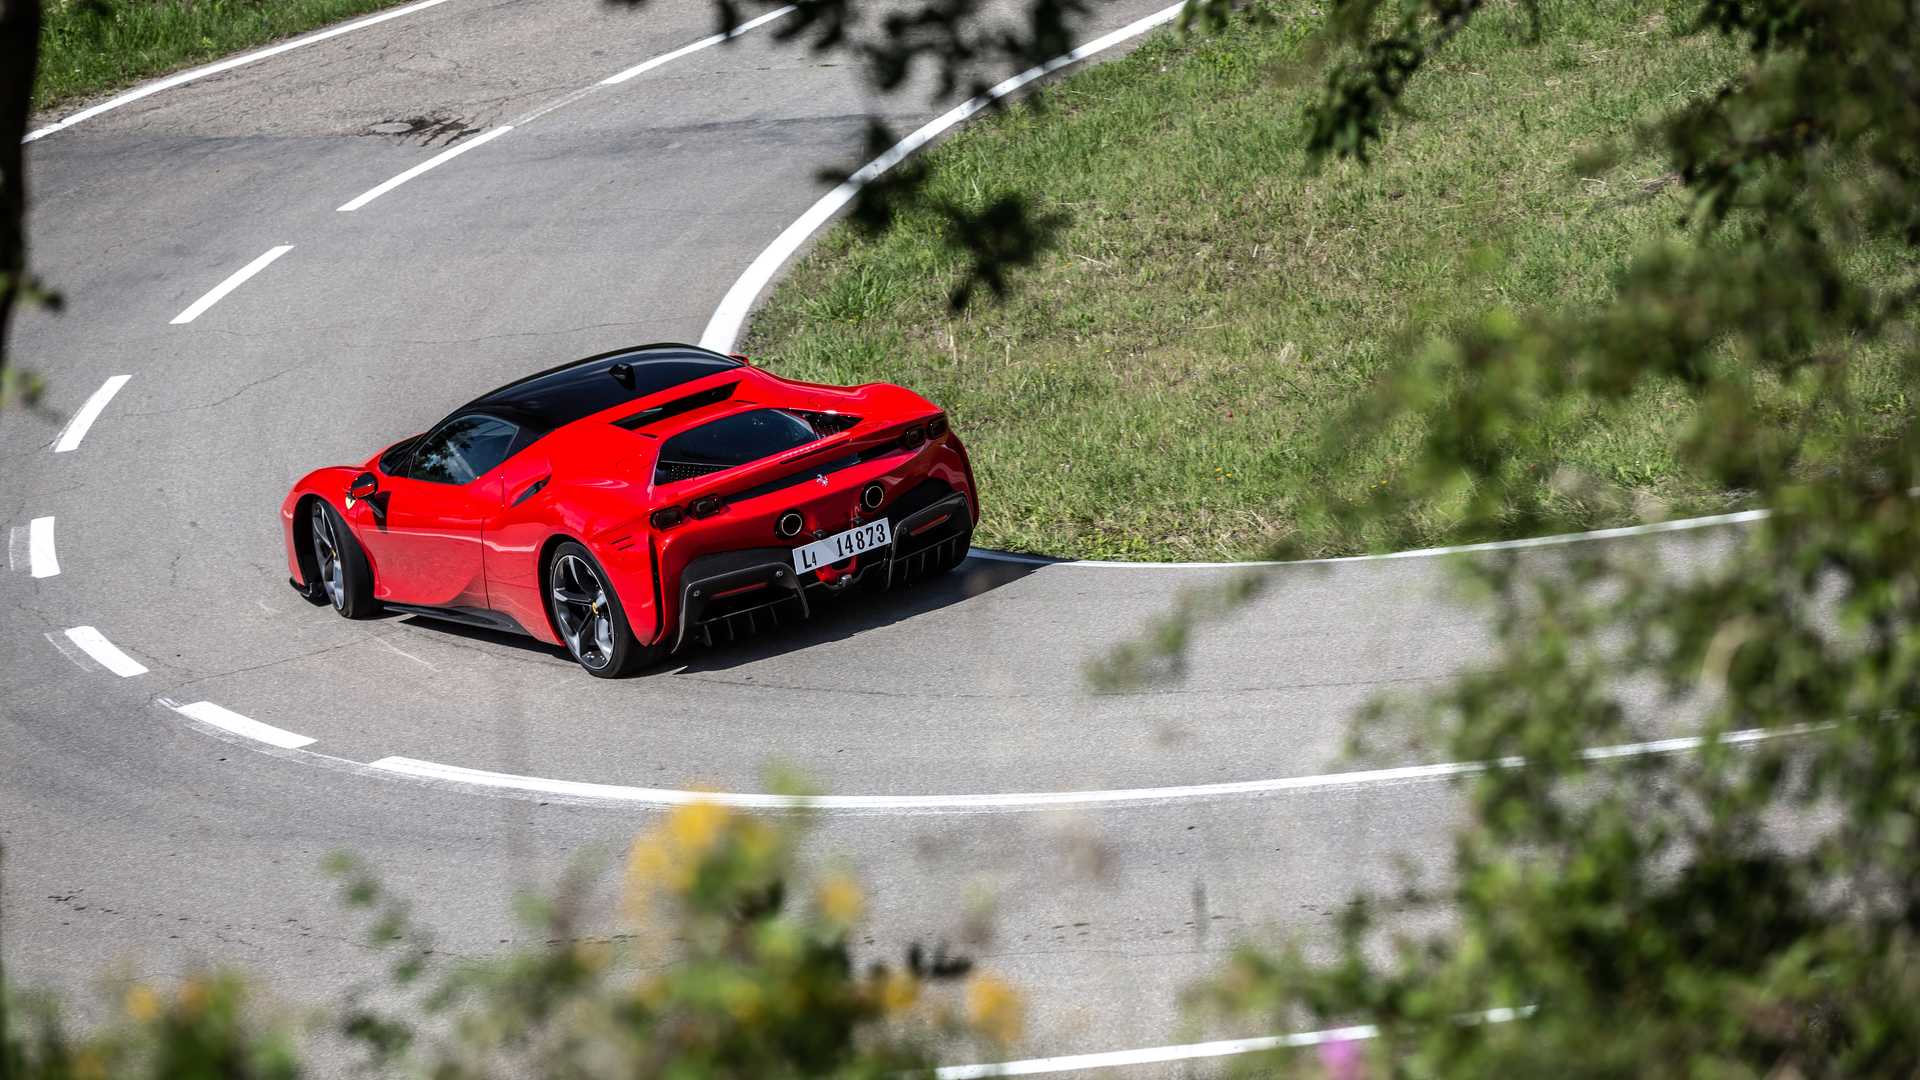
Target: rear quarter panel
[595,494]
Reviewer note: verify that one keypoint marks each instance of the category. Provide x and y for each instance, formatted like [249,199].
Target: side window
[462,450]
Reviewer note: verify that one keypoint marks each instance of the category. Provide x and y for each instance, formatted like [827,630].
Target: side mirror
[363,487]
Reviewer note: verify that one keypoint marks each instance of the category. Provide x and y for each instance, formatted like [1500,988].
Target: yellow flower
[840,900]
[592,955]
[142,1003]
[696,826]
[898,991]
[88,1066]
[651,865]
[193,996]
[652,993]
[670,855]
[994,1008]
[757,840]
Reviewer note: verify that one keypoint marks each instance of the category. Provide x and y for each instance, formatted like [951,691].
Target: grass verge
[1156,386]
[91,47]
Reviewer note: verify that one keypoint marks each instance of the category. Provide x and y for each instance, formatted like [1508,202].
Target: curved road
[142,842]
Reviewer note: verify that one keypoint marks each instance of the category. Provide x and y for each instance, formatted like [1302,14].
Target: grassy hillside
[1154,389]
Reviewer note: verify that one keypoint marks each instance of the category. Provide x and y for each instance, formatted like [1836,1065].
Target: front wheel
[341,566]
[587,613]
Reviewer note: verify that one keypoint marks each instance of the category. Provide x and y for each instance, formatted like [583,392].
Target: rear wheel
[340,565]
[587,613]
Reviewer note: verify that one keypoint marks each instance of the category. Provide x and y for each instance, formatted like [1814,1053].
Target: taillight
[936,427]
[706,506]
[913,437]
[668,518]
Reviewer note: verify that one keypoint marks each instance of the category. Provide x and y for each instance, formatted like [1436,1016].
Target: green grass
[1155,388]
[90,47]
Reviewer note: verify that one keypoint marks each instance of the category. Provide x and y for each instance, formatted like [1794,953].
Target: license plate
[842,546]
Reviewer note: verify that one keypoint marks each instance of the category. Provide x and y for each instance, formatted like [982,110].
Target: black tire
[590,618]
[344,578]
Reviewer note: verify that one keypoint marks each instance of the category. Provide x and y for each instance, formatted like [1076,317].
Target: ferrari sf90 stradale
[634,502]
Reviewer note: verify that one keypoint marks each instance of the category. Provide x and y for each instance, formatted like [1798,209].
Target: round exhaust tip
[873,496]
[790,524]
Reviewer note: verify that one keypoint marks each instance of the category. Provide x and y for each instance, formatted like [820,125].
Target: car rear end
[882,494]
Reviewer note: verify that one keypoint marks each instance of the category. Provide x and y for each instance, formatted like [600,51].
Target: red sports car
[633,502]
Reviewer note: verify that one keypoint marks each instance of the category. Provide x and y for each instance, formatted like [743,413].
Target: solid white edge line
[706,42]
[1618,532]
[40,555]
[986,803]
[433,162]
[95,644]
[228,64]
[235,280]
[82,421]
[723,329]
[206,712]
[1155,1055]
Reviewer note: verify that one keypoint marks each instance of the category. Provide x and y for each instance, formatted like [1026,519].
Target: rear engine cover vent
[827,423]
[672,472]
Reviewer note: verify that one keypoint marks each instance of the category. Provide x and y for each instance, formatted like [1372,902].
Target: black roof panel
[558,396]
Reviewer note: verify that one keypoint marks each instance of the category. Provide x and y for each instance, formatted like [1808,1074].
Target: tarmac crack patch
[426,130]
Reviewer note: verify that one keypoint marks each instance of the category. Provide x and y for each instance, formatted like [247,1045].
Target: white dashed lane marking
[707,42]
[30,548]
[95,644]
[485,137]
[428,165]
[235,280]
[82,421]
[206,712]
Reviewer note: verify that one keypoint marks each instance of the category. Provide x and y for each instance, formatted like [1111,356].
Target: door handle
[530,491]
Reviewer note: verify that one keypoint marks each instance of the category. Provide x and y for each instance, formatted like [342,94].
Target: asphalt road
[139,843]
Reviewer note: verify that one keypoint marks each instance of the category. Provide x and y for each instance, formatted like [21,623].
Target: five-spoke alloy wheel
[340,566]
[587,613]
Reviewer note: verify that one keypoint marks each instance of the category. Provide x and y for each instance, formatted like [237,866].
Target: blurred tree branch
[19,62]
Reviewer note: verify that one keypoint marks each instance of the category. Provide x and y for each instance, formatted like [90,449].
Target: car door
[422,530]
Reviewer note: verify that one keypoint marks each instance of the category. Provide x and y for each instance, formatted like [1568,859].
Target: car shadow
[834,618]
[862,609]
[520,642]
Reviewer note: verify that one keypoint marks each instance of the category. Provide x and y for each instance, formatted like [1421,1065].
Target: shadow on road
[835,618]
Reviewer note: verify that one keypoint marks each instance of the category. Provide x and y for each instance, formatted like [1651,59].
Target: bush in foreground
[739,967]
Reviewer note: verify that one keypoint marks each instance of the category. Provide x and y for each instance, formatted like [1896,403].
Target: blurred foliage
[1747,910]
[730,964]
[19,60]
